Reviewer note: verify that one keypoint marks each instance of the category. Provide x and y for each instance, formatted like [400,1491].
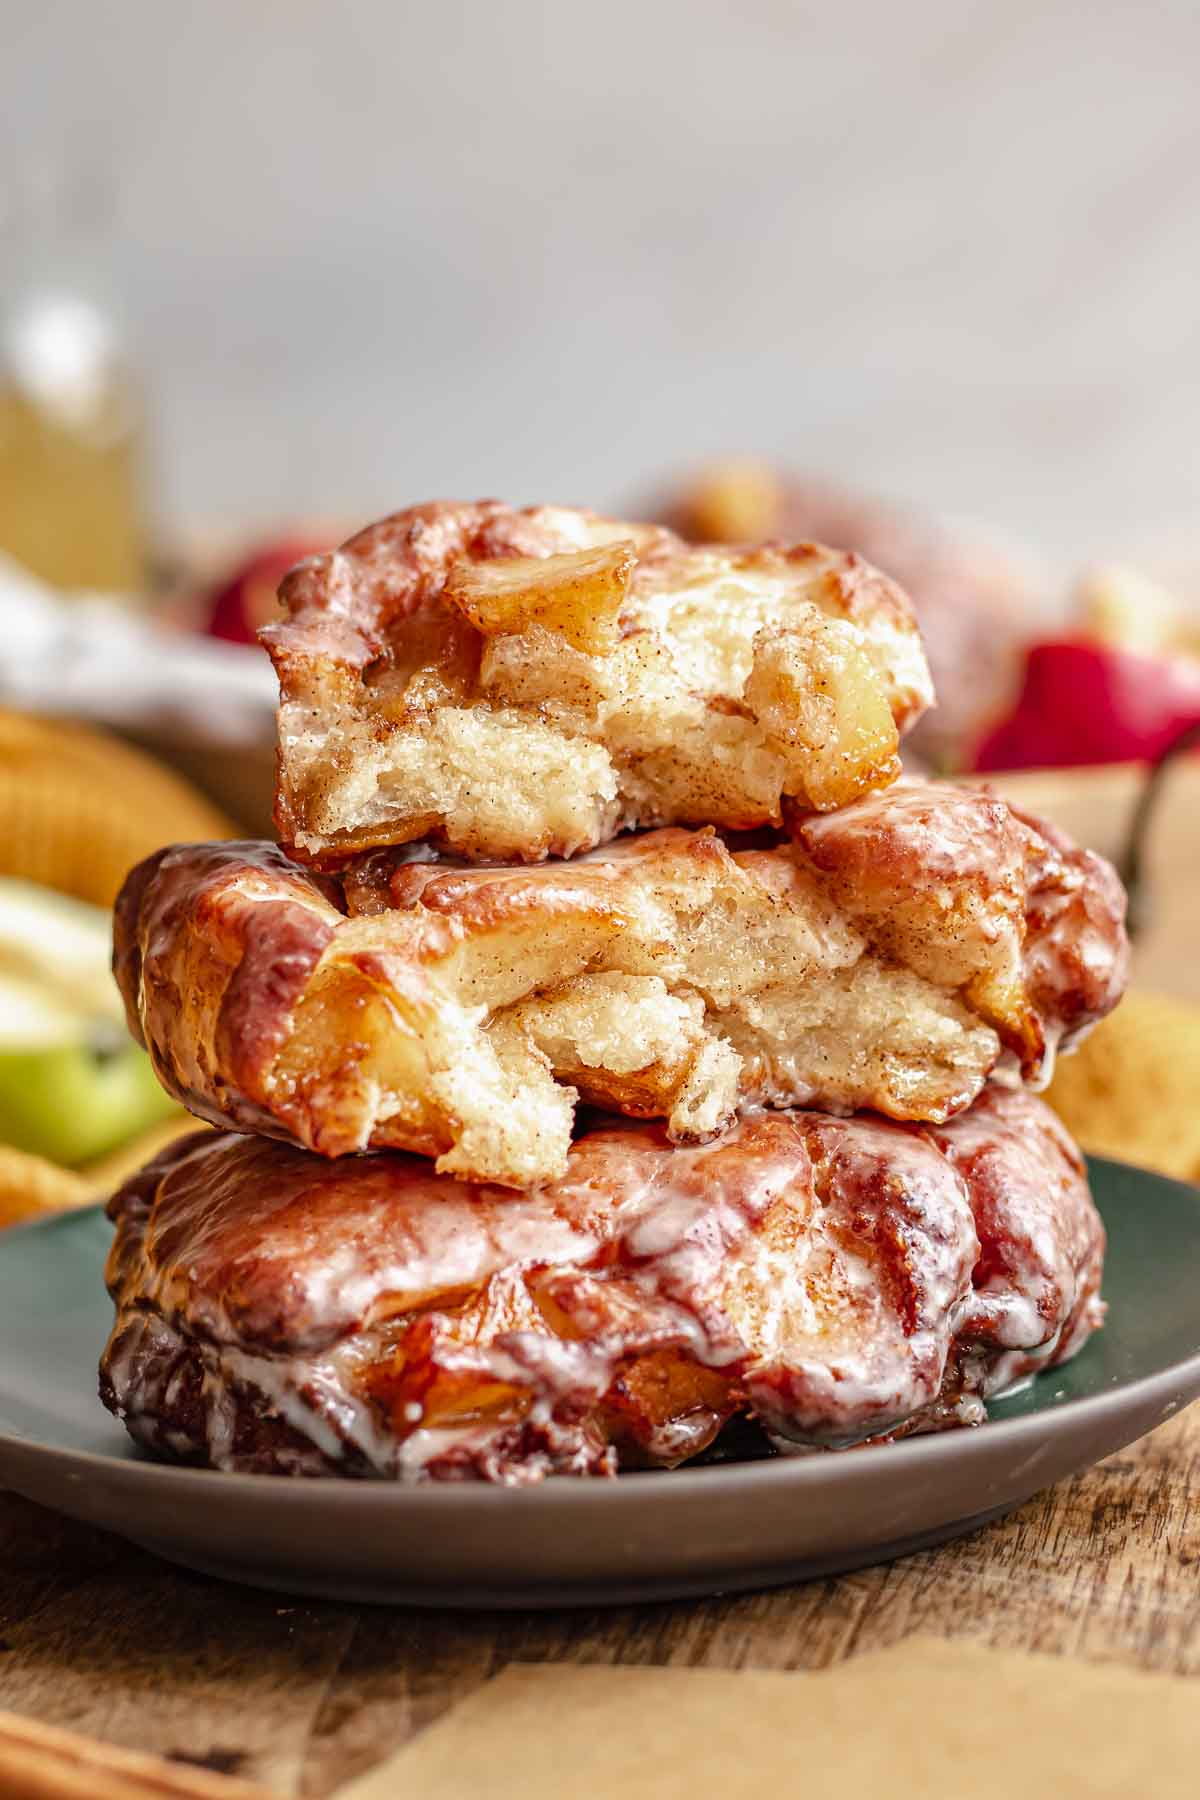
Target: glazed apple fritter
[895,955]
[976,604]
[836,1280]
[513,685]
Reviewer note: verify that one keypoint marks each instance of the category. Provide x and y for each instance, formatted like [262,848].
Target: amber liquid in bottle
[71,497]
[69,490]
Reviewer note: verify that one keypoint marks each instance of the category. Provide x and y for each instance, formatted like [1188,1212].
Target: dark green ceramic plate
[737,1525]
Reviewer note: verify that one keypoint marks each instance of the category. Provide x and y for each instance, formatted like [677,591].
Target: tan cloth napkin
[924,1718]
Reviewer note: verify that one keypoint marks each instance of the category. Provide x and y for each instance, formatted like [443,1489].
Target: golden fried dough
[837,1280]
[976,604]
[893,955]
[78,808]
[30,1186]
[33,1185]
[513,685]
[1133,1091]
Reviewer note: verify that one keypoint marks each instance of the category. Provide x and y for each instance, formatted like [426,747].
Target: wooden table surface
[103,1638]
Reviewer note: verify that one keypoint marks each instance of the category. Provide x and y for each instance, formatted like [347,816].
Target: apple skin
[1086,703]
[73,1104]
[246,599]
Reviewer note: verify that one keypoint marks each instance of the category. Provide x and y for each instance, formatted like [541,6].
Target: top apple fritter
[521,684]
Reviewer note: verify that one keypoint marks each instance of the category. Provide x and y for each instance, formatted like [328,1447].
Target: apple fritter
[977,604]
[894,955]
[513,685]
[836,1280]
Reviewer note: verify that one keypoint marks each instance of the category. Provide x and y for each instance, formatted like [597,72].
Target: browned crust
[216,945]
[886,857]
[210,977]
[1079,961]
[340,607]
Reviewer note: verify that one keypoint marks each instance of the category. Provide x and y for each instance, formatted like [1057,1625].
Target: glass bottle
[70,419]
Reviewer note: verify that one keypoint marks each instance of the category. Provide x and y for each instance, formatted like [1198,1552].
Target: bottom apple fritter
[838,1281]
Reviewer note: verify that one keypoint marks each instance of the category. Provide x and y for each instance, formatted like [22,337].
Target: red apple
[246,599]
[1087,703]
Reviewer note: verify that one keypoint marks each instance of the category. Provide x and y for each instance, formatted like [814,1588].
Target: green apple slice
[72,1084]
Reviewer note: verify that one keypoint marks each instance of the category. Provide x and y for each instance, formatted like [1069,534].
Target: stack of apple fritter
[617,1046]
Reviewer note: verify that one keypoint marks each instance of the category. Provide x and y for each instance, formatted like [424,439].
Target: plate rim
[927,1449]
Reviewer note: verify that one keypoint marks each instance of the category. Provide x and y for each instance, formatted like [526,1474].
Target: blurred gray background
[371,252]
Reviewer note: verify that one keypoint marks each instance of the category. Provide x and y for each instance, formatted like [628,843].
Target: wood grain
[43,1762]
[100,1637]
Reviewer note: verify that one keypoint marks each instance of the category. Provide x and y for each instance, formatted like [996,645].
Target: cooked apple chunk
[513,685]
[579,595]
[462,1011]
[811,689]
